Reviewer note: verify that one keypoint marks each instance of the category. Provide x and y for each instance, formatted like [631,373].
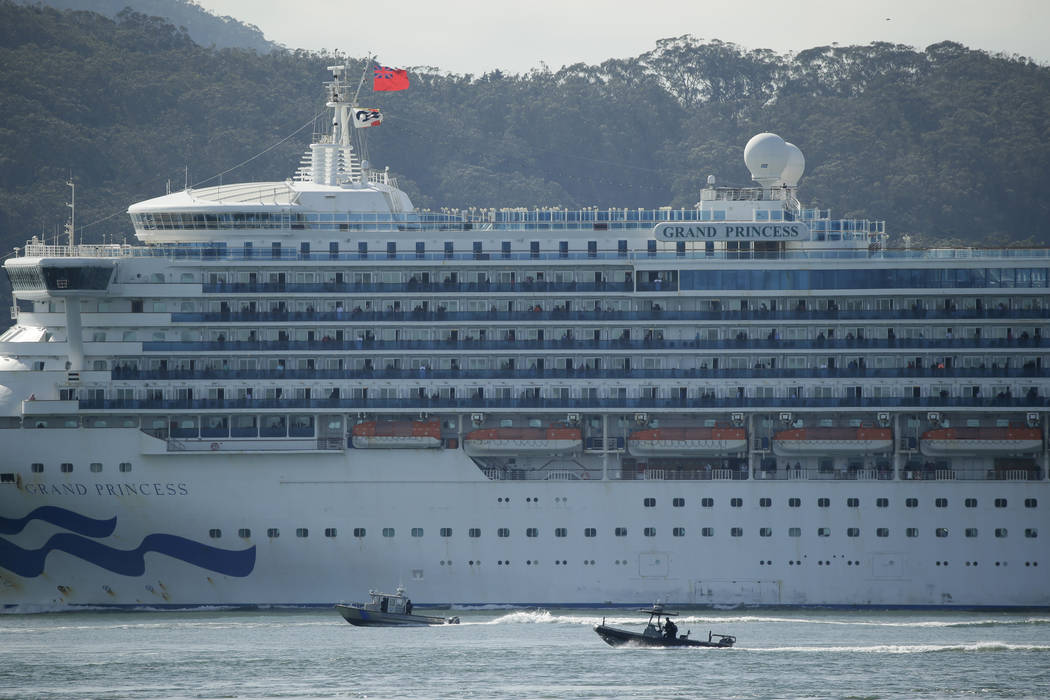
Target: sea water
[523,654]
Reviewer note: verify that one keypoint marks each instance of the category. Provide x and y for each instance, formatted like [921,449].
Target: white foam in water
[908,648]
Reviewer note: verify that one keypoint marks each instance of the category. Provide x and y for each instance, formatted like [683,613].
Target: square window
[474,532]
[971,532]
[765,502]
[244,532]
[36,468]
[65,467]
[215,533]
[853,532]
[96,467]
[1000,532]
[417,532]
[911,503]
[359,532]
[765,532]
[941,502]
[794,532]
[970,503]
[388,532]
[330,532]
[823,532]
[853,503]
[503,532]
[649,502]
[707,532]
[274,532]
[1000,503]
[678,532]
[678,502]
[882,503]
[736,532]
[649,532]
[532,532]
[882,532]
[1031,503]
[941,532]
[445,532]
[590,532]
[560,532]
[736,502]
[620,532]
[1031,532]
[794,502]
[823,502]
[302,532]
[707,502]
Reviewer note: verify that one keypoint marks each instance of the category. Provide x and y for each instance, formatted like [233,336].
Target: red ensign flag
[389,79]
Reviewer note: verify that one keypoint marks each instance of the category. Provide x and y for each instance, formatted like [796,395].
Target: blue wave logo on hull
[90,527]
[129,562]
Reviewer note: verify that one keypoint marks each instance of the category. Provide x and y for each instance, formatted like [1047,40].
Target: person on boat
[670,629]
[408,606]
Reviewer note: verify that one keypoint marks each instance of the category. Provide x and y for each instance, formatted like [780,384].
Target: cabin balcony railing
[559,405]
[326,344]
[549,315]
[124,374]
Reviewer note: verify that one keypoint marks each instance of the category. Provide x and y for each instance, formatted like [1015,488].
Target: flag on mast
[364,117]
[389,79]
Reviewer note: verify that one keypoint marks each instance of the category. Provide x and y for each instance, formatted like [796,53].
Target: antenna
[364,72]
[72,204]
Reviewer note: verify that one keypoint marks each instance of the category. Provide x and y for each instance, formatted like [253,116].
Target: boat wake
[909,648]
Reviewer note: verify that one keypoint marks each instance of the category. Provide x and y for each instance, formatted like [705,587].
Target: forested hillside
[203,27]
[947,143]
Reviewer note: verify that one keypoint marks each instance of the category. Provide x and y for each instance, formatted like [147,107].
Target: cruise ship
[290,392]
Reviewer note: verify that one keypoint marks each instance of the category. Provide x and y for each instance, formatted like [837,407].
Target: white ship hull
[120,557]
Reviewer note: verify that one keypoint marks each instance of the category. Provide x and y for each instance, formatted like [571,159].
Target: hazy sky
[475,36]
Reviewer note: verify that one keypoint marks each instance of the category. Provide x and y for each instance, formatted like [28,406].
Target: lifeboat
[659,442]
[980,441]
[832,441]
[521,441]
[399,434]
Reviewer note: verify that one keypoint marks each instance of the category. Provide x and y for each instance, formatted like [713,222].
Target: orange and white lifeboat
[398,434]
[658,442]
[980,441]
[832,441]
[521,441]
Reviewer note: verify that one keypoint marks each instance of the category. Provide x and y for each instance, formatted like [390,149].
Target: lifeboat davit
[396,434]
[658,442]
[832,441]
[980,441]
[520,441]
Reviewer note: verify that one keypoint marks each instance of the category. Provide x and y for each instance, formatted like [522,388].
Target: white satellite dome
[796,165]
[766,155]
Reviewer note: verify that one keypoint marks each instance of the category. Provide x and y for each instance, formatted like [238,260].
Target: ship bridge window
[244,426]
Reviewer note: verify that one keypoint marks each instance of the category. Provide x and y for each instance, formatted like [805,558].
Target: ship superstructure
[290,390]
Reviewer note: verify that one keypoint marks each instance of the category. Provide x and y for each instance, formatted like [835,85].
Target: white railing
[944,474]
[867,475]
[655,474]
[721,474]
[561,475]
